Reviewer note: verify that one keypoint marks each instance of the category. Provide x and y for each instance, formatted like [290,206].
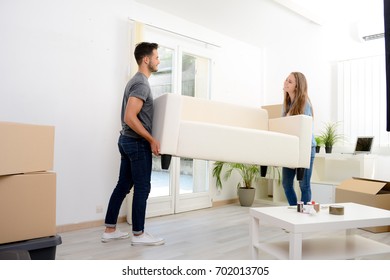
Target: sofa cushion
[234,144]
[209,111]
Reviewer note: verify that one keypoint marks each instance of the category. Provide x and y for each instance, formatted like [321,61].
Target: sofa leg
[165,161]
[263,170]
[300,173]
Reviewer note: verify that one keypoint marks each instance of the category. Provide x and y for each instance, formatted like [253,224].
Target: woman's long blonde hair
[301,97]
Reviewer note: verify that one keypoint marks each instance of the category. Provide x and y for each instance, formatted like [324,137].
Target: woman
[297,102]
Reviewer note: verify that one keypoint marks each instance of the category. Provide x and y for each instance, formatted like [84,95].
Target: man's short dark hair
[144,49]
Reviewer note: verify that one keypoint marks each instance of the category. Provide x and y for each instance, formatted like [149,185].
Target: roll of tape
[336,209]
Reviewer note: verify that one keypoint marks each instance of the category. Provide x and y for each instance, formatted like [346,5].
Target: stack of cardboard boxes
[27,182]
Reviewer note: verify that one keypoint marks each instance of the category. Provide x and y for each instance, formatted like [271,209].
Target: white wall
[65,63]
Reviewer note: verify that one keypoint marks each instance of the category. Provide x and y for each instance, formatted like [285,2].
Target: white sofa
[211,130]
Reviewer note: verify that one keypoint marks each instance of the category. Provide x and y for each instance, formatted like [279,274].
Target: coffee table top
[355,216]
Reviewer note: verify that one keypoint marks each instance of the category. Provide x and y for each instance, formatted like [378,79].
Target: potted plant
[248,173]
[319,142]
[330,136]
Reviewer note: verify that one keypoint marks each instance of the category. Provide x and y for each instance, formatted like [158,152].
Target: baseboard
[224,202]
[122,219]
[84,225]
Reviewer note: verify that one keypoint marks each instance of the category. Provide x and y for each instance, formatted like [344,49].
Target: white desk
[345,246]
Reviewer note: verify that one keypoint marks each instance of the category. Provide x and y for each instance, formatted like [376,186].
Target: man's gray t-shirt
[138,87]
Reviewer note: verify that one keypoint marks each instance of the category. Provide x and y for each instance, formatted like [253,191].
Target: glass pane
[195,82]
[195,76]
[188,75]
[186,175]
[160,83]
[193,177]
[160,179]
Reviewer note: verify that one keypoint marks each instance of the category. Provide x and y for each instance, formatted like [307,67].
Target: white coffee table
[339,246]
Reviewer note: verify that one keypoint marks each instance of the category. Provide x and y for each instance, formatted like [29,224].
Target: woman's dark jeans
[288,176]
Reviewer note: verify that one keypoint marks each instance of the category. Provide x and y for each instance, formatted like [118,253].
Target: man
[136,145]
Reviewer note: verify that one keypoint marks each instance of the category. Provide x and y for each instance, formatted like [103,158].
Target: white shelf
[271,191]
[325,248]
[336,167]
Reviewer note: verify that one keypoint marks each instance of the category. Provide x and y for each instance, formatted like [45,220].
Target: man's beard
[152,69]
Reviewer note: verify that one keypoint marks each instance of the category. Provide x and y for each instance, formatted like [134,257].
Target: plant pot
[246,196]
[328,150]
[318,148]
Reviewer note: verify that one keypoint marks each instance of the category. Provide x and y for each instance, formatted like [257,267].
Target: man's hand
[155,146]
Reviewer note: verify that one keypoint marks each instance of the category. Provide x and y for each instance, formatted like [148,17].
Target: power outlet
[99,209]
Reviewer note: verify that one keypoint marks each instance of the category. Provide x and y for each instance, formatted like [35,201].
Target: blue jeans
[135,170]
[288,176]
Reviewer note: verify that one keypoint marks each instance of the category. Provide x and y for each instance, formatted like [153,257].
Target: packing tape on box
[336,210]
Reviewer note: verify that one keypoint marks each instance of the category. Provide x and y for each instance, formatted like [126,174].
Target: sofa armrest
[300,126]
[166,122]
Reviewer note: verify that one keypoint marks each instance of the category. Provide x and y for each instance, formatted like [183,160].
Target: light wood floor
[218,233]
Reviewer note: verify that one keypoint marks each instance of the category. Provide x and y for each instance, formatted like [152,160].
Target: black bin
[38,249]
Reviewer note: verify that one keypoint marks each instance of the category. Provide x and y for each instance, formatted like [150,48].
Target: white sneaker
[106,237]
[146,239]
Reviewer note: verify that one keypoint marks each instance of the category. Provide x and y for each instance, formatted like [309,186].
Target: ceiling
[231,17]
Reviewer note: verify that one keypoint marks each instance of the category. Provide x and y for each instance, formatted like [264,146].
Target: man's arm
[133,107]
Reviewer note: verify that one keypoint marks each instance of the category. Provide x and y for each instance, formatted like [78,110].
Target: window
[362,99]
[161,81]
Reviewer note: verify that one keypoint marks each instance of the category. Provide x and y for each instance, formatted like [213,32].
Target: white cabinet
[329,170]
[323,193]
[336,167]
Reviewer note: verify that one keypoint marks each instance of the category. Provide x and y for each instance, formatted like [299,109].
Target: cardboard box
[274,111]
[25,148]
[27,206]
[367,192]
